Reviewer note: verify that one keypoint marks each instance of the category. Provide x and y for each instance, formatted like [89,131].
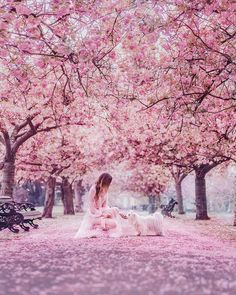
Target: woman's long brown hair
[104,179]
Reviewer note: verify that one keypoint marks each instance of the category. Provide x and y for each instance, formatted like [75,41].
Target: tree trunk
[178,188]
[67,197]
[78,196]
[8,175]
[235,209]
[201,201]
[152,204]
[49,198]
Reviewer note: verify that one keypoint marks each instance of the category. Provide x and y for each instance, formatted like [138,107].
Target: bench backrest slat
[5,199]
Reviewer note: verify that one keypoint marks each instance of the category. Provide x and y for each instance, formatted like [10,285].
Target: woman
[100,219]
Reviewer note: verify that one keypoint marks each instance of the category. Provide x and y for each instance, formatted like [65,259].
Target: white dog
[151,225]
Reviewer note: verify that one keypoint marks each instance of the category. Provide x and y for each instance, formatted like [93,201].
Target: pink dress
[93,223]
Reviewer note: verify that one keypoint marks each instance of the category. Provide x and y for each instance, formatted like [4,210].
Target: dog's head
[132,216]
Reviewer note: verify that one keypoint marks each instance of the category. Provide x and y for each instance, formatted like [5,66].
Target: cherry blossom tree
[56,58]
[197,142]
[196,57]
[155,78]
[202,155]
[64,157]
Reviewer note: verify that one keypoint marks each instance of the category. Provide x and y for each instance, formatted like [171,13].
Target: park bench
[27,210]
[9,218]
[168,209]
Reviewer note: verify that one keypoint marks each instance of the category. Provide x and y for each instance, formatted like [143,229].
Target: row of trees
[86,85]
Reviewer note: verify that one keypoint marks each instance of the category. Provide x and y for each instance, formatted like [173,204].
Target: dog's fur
[151,225]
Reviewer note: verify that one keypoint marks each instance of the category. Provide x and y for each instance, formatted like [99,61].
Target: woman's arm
[123,216]
[109,212]
[93,210]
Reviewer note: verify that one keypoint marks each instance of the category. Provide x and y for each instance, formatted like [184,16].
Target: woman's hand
[107,215]
[123,216]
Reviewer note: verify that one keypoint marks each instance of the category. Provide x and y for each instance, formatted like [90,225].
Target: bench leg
[31,222]
[25,228]
[13,229]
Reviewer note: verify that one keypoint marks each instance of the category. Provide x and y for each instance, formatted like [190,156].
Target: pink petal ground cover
[192,258]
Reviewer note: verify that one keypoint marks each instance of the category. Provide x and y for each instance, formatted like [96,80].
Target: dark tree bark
[234,211]
[8,165]
[179,174]
[201,200]
[179,195]
[8,176]
[67,197]
[49,198]
[152,204]
[200,190]
[78,196]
